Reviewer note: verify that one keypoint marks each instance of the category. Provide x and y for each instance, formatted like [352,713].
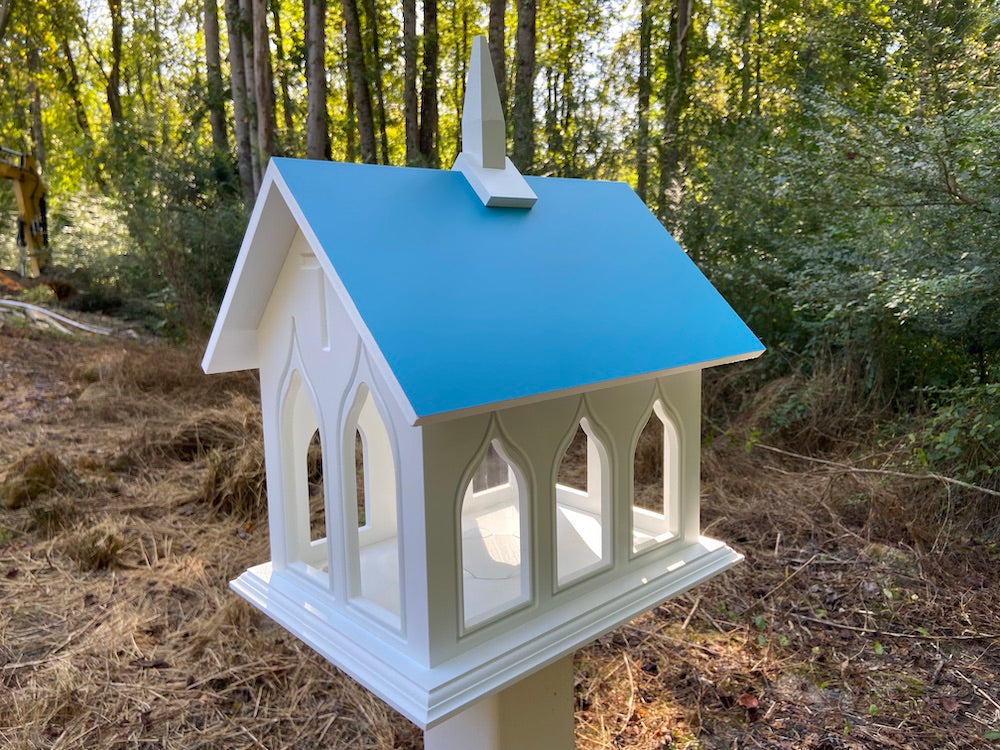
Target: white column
[535,713]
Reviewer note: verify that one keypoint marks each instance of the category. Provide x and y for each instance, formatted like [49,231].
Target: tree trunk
[498,9]
[264,89]
[675,99]
[71,79]
[35,104]
[317,124]
[6,8]
[523,115]
[644,83]
[371,13]
[245,27]
[287,105]
[427,137]
[459,72]
[213,78]
[411,125]
[359,83]
[550,118]
[350,119]
[745,62]
[238,86]
[115,77]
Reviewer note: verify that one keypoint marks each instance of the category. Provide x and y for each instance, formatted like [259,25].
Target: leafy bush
[961,435]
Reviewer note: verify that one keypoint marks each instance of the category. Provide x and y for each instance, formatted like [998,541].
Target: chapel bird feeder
[441,339]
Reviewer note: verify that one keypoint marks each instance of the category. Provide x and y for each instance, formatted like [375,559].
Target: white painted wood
[535,713]
[233,343]
[483,159]
[447,597]
[374,562]
[428,695]
[583,517]
[484,135]
[650,528]
[496,188]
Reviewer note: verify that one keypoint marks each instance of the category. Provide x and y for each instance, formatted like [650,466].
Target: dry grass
[852,623]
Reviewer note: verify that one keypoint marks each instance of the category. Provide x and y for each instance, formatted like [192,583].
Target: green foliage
[961,433]
[183,211]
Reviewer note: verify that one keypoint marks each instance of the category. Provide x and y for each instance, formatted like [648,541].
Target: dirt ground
[131,494]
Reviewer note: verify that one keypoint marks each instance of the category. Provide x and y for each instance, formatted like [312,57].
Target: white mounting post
[483,159]
[535,713]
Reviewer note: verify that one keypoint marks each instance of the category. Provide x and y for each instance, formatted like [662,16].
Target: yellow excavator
[32,224]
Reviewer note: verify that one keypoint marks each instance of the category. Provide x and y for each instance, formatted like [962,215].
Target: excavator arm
[32,223]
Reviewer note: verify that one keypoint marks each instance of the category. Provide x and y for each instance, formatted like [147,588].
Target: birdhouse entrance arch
[495,533]
[583,505]
[371,496]
[657,478]
[305,512]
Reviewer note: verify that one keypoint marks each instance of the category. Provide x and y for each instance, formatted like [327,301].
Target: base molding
[428,695]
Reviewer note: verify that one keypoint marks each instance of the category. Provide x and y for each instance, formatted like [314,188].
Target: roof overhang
[233,343]
[275,218]
[538,397]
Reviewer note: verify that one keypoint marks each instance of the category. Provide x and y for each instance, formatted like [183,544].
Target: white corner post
[535,713]
[483,159]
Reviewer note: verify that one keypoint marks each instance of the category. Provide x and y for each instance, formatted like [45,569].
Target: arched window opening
[304,496]
[492,472]
[655,481]
[494,524]
[359,479]
[582,508]
[370,494]
[317,494]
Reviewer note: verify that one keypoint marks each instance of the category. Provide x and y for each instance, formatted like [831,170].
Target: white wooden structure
[441,338]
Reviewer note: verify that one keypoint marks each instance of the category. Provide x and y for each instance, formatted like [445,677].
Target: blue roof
[472,305]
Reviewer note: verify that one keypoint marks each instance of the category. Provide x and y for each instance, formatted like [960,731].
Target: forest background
[832,166]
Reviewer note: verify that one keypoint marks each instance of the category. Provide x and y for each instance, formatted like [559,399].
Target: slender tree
[410,117]
[460,69]
[351,151]
[498,52]
[427,139]
[114,77]
[359,81]
[6,8]
[283,65]
[71,82]
[644,86]
[317,122]
[245,27]
[241,112]
[213,78]
[263,81]
[523,114]
[35,104]
[675,98]
[375,55]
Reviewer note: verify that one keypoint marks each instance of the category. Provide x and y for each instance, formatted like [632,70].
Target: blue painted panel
[473,305]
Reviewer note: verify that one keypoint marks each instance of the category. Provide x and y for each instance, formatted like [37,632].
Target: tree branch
[882,472]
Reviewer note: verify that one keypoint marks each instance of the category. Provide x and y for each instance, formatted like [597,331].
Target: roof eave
[535,398]
[233,343]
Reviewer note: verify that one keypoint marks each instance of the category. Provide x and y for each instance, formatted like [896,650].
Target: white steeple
[483,160]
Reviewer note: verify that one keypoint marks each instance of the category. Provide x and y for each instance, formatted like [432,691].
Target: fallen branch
[54,319]
[884,472]
[889,633]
